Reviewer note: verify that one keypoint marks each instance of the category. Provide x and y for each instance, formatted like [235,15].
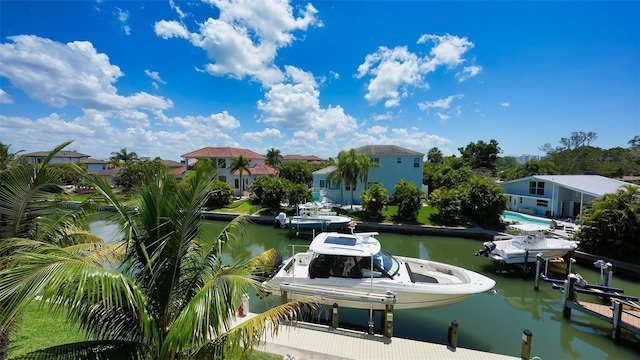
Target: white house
[396,163]
[557,196]
[61,157]
[223,157]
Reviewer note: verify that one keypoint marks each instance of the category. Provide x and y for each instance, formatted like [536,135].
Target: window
[222,164]
[222,178]
[322,183]
[348,187]
[237,183]
[399,161]
[536,187]
[543,203]
[416,162]
[375,160]
[520,200]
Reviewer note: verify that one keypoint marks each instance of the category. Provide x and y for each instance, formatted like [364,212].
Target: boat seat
[319,268]
[419,278]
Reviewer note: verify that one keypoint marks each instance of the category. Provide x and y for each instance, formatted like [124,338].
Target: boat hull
[420,284]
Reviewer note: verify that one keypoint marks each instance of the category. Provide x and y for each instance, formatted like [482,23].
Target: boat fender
[488,247]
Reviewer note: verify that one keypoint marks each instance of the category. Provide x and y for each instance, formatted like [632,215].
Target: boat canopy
[332,243]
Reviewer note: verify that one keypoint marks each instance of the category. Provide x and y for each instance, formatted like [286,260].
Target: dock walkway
[306,341]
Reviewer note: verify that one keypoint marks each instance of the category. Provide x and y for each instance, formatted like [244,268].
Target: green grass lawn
[40,329]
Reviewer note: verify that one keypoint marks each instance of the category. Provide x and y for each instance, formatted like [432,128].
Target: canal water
[493,321]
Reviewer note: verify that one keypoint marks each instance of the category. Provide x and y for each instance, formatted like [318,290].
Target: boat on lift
[525,248]
[313,215]
[352,270]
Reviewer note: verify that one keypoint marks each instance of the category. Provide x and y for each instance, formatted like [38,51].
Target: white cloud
[505,104]
[5,98]
[468,72]
[440,103]
[123,16]
[155,76]
[56,74]
[177,9]
[257,136]
[443,117]
[394,71]
[377,130]
[295,104]
[383,117]
[244,40]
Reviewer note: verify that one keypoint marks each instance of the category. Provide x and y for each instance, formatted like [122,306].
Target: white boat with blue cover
[353,271]
[525,248]
[313,216]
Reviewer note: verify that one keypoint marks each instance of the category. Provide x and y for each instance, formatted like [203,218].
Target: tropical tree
[274,158]
[30,209]
[173,295]
[483,201]
[481,154]
[365,164]
[8,158]
[123,156]
[610,225]
[374,199]
[408,197]
[134,175]
[296,172]
[348,171]
[241,164]
[434,155]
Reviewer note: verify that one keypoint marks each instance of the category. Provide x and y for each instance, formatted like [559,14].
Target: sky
[164,78]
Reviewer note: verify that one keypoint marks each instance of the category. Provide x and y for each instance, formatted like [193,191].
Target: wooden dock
[307,341]
[622,313]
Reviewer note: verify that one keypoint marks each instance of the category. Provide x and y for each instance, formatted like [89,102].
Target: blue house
[558,196]
[396,163]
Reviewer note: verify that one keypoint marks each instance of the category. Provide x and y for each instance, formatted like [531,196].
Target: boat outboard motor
[280,220]
[488,247]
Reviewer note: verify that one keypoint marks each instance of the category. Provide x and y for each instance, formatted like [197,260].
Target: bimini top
[333,243]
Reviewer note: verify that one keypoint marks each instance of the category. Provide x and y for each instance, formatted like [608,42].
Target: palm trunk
[4,343]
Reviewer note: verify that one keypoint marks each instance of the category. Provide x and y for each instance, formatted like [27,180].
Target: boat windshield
[386,262]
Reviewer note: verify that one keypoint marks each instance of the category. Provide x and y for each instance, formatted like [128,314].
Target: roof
[260,169]
[594,185]
[93,161]
[386,150]
[172,164]
[61,154]
[327,170]
[307,158]
[223,152]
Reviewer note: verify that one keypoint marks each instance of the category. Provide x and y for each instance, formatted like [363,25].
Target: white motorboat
[353,271]
[313,216]
[525,248]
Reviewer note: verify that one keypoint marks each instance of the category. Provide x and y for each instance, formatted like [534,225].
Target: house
[557,196]
[223,157]
[395,163]
[94,165]
[302,158]
[61,157]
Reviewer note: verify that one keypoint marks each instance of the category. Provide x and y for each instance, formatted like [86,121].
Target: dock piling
[537,277]
[334,316]
[526,344]
[617,317]
[452,335]
[388,317]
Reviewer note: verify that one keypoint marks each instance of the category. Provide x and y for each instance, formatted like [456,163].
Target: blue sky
[163,78]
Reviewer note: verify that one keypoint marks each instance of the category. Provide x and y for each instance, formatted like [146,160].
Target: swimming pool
[524,219]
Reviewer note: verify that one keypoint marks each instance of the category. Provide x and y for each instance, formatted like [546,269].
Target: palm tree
[240,164]
[350,167]
[7,158]
[274,158]
[173,296]
[365,164]
[434,155]
[122,156]
[29,209]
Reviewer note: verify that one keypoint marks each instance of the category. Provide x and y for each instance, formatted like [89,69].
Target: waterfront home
[61,157]
[557,196]
[395,163]
[223,156]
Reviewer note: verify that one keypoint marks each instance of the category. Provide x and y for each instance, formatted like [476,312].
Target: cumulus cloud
[57,74]
[440,103]
[256,137]
[5,98]
[505,104]
[394,71]
[468,72]
[243,41]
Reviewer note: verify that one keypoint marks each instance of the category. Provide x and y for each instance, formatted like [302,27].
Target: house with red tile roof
[223,156]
